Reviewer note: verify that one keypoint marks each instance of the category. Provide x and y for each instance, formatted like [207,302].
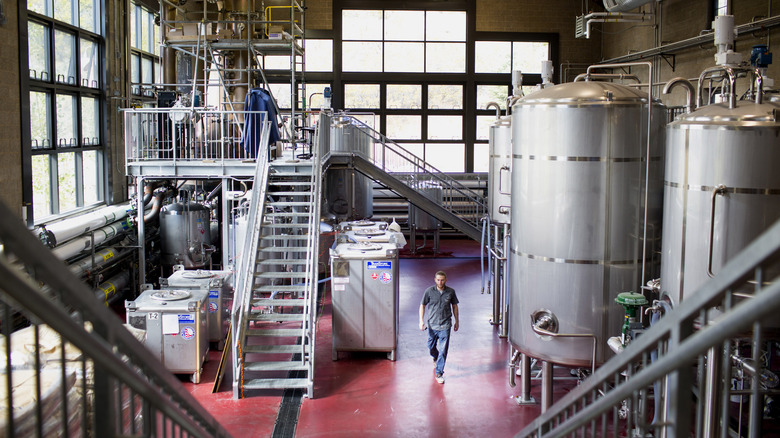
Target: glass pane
[404,127]
[87,14]
[38,51]
[361,96]
[492,93]
[63,11]
[315,98]
[405,57]
[481,157]
[402,96]
[90,132]
[42,7]
[370,120]
[277,63]
[147,72]
[66,122]
[147,27]
[401,165]
[65,57]
[445,58]
[319,55]
[135,29]
[135,72]
[89,64]
[445,127]
[156,43]
[527,57]
[493,57]
[281,93]
[483,127]
[66,181]
[445,96]
[41,186]
[361,25]
[445,26]
[40,120]
[404,25]
[446,157]
[91,176]
[361,56]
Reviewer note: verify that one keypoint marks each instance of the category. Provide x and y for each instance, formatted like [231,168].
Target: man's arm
[455,314]
[422,315]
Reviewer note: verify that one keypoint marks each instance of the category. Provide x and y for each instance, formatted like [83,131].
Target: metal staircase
[274,346]
[404,173]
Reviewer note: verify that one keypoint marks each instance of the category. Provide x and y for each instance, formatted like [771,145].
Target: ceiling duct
[624,5]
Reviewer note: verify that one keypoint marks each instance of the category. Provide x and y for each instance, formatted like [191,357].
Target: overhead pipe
[496,106]
[624,5]
[60,232]
[621,76]
[610,17]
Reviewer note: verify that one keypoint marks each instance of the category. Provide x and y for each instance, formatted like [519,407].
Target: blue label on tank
[213,294]
[187,318]
[379,265]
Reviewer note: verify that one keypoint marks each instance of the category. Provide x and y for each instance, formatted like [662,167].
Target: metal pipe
[497,106]
[513,366]
[710,396]
[719,190]
[525,381]
[587,77]
[547,385]
[496,283]
[542,332]
[505,288]
[689,90]
[156,205]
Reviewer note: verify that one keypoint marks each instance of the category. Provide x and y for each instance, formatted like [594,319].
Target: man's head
[441,279]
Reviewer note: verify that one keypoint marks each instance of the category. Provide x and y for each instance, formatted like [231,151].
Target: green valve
[631,302]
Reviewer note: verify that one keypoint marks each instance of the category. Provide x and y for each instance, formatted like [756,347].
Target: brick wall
[10,119]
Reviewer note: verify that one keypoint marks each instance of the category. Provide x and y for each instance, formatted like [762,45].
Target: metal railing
[389,156]
[182,134]
[73,369]
[676,379]
[247,262]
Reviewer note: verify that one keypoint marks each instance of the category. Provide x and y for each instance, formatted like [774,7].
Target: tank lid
[369,232]
[171,295]
[362,223]
[746,111]
[364,246]
[584,92]
[180,206]
[198,274]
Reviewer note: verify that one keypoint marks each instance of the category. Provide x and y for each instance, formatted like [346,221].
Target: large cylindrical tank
[349,194]
[419,218]
[185,234]
[578,206]
[737,148]
[499,172]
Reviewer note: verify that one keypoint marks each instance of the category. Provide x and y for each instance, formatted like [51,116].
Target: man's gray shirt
[439,305]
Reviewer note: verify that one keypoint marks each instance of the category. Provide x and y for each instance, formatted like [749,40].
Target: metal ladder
[277,349]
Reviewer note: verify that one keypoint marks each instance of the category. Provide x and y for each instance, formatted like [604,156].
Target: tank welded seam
[500,156]
[735,190]
[585,159]
[575,261]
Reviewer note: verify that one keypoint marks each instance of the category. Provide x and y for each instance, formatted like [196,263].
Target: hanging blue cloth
[258,100]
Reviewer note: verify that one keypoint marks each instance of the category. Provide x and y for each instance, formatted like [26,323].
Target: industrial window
[319,55]
[144,51]
[66,92]
[721,7]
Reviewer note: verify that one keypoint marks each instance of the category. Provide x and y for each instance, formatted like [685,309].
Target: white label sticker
[339,287]
[170,324]
[340,280]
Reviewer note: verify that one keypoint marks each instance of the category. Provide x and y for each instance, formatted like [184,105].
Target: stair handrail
[683,334]
[242,299]
[41,287]
[421,171]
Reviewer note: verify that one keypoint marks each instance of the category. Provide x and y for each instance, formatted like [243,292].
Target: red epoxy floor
[365,394]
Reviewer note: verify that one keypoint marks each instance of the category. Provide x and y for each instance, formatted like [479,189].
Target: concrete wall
[10,112]
[683,19]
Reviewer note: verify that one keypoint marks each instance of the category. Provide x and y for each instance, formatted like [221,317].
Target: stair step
[284,302]
[276,366]
[288,174]
[280,317]
[282,262]
[290,183]
[299,237]
[283,249]
[276,383]
[281,275]
[289,193]
[293,225]
[274,332]
[278,288]
[287,214]
[288,204]
[294,348]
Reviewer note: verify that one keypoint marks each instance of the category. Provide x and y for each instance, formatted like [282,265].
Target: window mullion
[54,186]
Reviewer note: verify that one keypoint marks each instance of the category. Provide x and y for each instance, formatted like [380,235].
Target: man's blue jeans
[438,344]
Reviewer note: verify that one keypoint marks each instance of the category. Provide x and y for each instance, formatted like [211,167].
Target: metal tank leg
[505,285]
[525,397]
[495,286]
[139,191]
[547,385]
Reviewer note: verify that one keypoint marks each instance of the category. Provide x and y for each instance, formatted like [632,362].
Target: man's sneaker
[440,378]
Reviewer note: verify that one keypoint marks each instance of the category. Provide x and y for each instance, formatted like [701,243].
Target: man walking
[442,304]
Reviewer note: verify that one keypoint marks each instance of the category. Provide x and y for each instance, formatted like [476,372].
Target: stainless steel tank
[721,163]
[185,233]
[499,171]
[419,218]
[349,194]
[578,208]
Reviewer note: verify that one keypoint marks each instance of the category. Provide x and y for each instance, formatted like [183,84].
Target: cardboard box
[225,34]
